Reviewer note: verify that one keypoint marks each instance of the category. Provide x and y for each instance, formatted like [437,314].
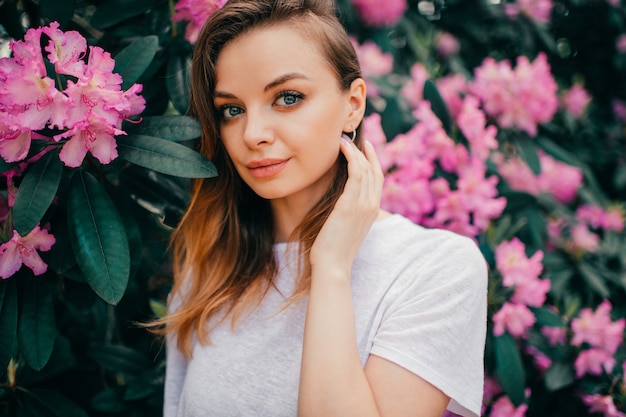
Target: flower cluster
[522,274]
[417,162]
[380,13]
[558,179]
[537,10]
[85,106]
[374,63]
[522,97]
[195,12]
[576,100]
[602,335]
[583,232]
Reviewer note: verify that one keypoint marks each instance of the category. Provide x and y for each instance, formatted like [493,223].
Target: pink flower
[503,407]
[380,13]
[374,63]
[23,250]
[620,43]
[473,123]
[555,335]
[521,98]
[531,292]
[602,404]
[597,328]
[557,178]
[447,44]
[594,361]
[65,50]
[515,267]
[372,130]
[14,143]
[593,215]
[491,389]
[195,12]
[575,100]
[30,97]
[89,111]
[614,219]
[413,91]
[410,188]
[542,362]
[451,88]
[516,319]
[538,10]
[94,136]
[583,239]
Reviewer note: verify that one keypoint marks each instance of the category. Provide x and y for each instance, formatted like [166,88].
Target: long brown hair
[223,247]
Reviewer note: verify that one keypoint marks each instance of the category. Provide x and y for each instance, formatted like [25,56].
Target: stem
[174,24]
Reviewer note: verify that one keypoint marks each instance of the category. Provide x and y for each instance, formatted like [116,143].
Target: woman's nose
[257,129]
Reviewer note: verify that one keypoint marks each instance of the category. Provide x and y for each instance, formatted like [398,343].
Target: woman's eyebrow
[283,79]
[278,81]
[220,94]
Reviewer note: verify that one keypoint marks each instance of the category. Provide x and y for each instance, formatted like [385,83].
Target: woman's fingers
[364,176]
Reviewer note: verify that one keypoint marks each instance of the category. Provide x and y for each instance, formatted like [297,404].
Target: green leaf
[528,151]
[59,10]
[559,375]
[52,403]
[546,317]
[557,152]
[5,166]
[165,156]
[36,192]
[114,11]
[509,368]
[518,200]
[37,329]
[174,128]
[8,321]
[178,82]
[119,358]
[108,401]
[133,60]
[593,279]
[98,238]
[438,106]
[147,384]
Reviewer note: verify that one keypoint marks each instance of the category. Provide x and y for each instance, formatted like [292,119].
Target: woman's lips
[265,168]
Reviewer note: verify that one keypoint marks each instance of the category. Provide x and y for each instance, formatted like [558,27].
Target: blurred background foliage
[100,363]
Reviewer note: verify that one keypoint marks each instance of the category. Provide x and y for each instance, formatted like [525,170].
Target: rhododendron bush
[504,121]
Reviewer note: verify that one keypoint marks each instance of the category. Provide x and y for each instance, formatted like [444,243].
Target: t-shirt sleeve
[175,371]
[434,323]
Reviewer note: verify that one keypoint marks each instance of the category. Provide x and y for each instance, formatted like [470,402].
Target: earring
[353,135]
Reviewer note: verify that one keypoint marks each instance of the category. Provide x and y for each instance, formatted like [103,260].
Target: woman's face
[281,113]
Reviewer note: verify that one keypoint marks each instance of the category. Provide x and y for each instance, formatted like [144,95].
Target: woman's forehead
[268,53]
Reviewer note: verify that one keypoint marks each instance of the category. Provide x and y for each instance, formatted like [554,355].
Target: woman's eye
[289,98]
[228,112]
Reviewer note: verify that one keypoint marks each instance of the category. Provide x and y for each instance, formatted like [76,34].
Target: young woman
[294,294]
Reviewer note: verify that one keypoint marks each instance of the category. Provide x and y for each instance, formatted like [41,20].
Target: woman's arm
[332,381]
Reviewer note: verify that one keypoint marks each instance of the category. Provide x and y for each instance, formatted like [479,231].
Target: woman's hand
[357,208]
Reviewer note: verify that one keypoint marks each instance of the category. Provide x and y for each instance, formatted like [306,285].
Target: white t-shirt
[420,300]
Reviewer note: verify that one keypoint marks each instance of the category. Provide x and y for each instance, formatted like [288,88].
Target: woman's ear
[357,98]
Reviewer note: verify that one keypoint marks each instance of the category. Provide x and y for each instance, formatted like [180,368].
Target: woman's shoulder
[398,232]
[398,242]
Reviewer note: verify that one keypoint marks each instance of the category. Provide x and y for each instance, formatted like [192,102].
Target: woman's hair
[223,247]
